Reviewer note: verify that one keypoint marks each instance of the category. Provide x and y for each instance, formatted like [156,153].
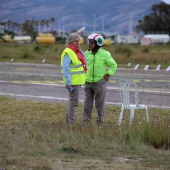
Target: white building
[158,38]
[127,39]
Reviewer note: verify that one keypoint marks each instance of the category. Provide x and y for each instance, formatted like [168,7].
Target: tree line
[158,21]
[29,27]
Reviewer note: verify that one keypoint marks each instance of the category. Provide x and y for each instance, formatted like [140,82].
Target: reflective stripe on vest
[78,72]
[77,66]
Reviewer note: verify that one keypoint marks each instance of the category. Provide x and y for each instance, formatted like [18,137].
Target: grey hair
[71,38]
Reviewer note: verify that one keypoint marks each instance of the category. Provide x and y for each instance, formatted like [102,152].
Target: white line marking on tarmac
[66,99]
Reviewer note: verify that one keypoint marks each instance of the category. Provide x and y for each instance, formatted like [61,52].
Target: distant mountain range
[115,16]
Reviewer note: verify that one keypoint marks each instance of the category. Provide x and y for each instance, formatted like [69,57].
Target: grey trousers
[95,92]
[72,104]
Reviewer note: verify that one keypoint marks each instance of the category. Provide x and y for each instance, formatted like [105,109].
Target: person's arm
[112,67]
[66,69]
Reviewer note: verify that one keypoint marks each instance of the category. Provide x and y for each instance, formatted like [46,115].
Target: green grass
[123,54]
[34,136]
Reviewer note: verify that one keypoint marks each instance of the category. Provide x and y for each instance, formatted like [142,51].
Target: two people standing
[90,70]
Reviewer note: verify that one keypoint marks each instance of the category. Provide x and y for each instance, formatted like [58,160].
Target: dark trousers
[95,92]
[72,104]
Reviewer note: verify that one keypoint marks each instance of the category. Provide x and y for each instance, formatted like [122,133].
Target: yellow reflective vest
[78,76]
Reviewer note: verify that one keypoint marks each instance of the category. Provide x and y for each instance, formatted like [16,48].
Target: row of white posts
[129,64]
[147,67]
[43,61]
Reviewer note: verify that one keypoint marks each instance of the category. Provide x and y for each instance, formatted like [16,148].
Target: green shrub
[145,50]
[37,49]
[26,55]
[125,51]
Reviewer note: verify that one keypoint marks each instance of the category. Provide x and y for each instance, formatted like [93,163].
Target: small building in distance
[127,39]
[157,38]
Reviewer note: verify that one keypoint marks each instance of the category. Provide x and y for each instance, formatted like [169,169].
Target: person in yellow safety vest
[100,66]
[73,63]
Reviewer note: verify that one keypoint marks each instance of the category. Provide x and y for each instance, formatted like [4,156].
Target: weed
[26,55]
[37,49]
[145,50]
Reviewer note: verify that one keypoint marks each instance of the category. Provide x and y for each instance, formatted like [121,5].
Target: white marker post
[168,68]
[44,61]
[129,64]
[146,67]
[158,67]
[136,67]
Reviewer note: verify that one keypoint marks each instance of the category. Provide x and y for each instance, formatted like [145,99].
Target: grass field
[34,137]
[123,54]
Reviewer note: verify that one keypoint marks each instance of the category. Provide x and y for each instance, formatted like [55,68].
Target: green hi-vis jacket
[78,76]
[97,65]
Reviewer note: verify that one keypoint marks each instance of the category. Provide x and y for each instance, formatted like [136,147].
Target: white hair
[71,38]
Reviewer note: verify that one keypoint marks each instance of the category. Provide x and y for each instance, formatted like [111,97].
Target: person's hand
[68,87]
[106,77]
[79,48]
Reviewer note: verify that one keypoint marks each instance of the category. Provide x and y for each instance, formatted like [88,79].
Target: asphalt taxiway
[43,82]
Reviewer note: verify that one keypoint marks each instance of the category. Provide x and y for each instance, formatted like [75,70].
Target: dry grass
[123,54]
[34,137]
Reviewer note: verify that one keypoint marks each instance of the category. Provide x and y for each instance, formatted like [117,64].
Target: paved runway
[43,82]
